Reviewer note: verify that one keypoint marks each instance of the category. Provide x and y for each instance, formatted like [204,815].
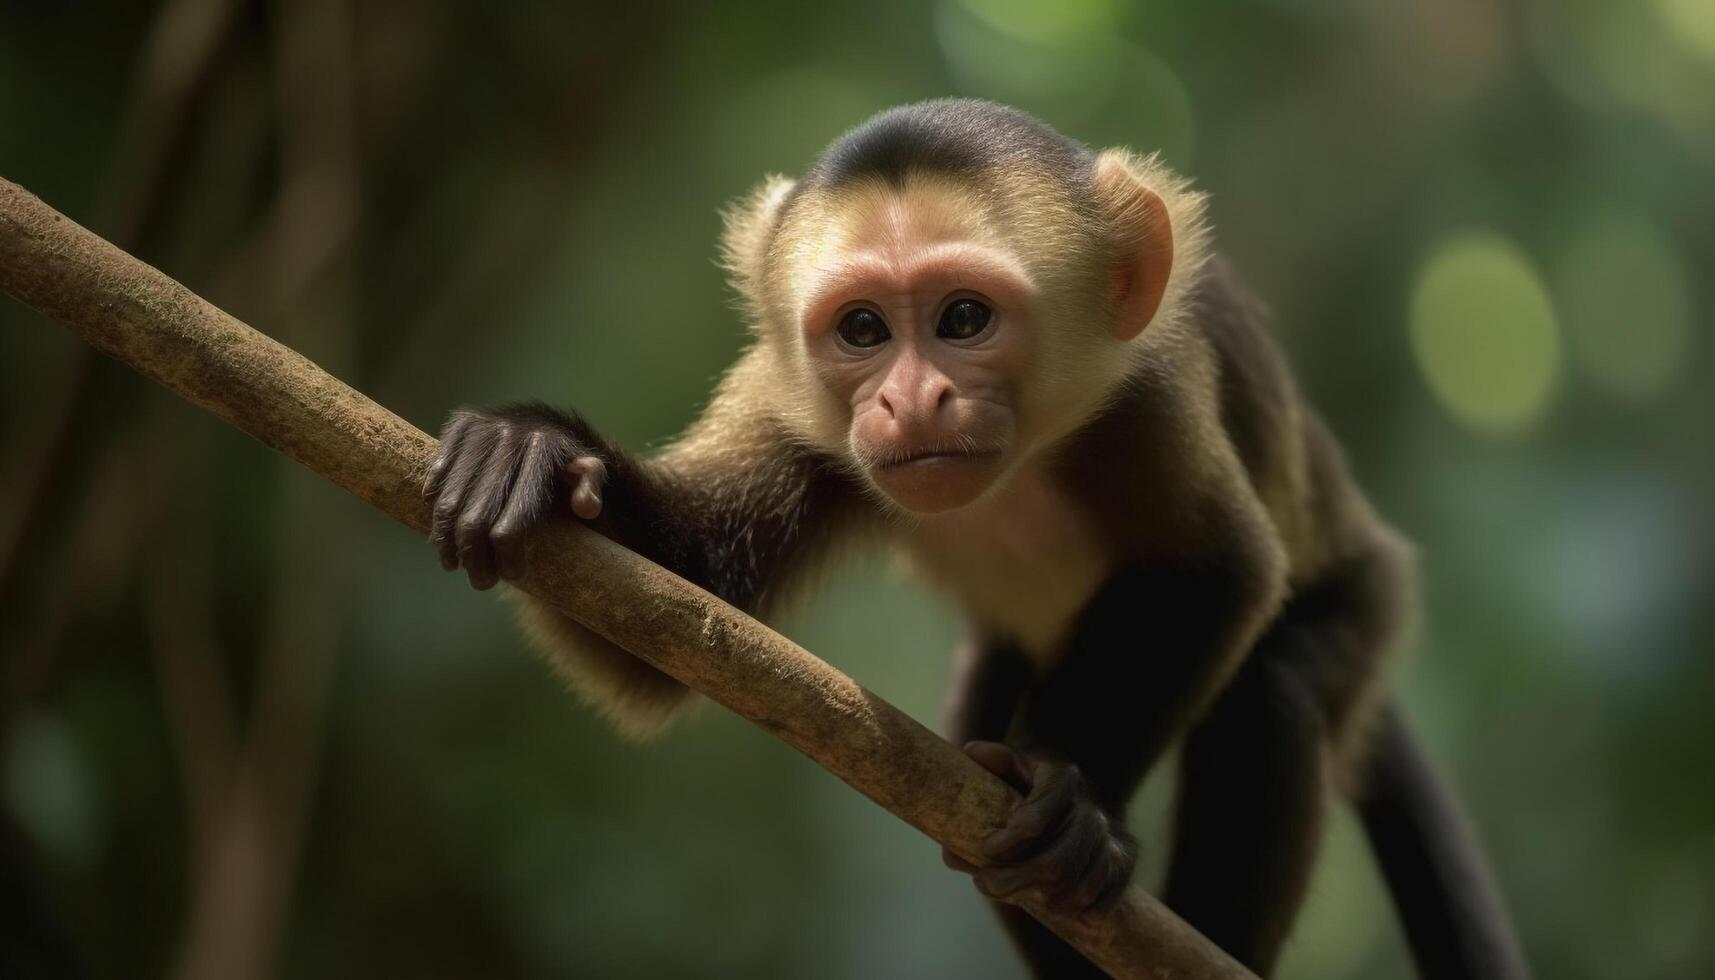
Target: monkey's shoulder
[1291,459]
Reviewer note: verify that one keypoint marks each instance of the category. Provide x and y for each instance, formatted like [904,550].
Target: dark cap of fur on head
[963,138]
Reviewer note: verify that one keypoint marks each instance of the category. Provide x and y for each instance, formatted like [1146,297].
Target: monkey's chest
[1021,565]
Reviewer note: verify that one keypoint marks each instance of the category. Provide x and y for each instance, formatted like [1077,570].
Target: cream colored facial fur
[781,249]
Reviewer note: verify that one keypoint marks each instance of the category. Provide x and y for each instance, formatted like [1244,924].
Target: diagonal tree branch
[132,312]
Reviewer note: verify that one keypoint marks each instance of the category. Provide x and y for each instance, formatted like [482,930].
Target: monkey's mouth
[929,456]
[936,479]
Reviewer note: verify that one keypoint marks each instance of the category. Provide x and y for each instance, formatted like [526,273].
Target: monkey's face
[918,331]
[939,333]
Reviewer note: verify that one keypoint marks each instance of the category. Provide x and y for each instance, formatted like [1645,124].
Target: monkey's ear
[748,223]
[1142,235]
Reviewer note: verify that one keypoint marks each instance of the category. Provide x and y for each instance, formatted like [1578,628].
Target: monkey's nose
[915,408]
[887,401]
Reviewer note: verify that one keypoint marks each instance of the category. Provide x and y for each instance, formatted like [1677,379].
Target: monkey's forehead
[871,214]
[1020,213]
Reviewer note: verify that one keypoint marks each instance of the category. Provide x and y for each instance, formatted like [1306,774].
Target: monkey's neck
[1020,562]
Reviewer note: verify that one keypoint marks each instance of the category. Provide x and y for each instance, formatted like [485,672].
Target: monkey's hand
[497,475]
[1058,842]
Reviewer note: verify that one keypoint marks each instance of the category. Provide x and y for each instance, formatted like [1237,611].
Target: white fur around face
[1021,562]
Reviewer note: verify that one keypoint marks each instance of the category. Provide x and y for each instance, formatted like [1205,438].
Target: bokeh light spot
[1693,23]
[1484,335]
[1623,294]
[47,785]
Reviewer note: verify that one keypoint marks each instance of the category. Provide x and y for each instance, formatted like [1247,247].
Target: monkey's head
[954,286]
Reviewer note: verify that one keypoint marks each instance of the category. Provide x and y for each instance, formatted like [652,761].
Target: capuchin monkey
[1016,363]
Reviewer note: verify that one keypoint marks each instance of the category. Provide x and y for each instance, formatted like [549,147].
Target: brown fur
[1176,547]
[1202,394]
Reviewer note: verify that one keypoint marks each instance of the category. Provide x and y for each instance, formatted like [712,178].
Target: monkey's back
[1293,462]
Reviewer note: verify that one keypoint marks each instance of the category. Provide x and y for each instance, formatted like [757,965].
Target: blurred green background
[250,729]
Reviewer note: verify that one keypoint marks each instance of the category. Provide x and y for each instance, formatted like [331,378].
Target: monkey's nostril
[886,404]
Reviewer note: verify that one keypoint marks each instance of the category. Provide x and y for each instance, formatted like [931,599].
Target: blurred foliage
[249,728]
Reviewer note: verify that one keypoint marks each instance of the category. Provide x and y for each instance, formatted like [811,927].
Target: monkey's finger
[1045,810]
[532,487]
[1085,850]
[451,503]
[1008,881]
[1080,890]
[956,862]
[1055,872]
[1108,879]
[1002,761]
[588,475]
[483,504]
[451,439]
[1074,857]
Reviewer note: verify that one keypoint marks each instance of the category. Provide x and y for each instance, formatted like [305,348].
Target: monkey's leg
[1256,771]
[1253,788]
[1097,718]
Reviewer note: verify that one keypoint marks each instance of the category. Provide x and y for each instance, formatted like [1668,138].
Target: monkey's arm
[734,505]
[1149,652]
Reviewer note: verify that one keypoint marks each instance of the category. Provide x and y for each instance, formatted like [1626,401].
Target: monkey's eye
[963,320]
[863,328]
